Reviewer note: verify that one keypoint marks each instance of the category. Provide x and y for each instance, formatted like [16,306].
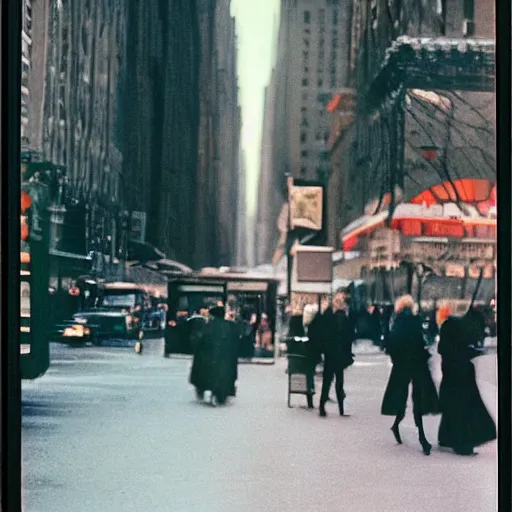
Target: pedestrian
[247,337]
[201,355]
[220,343]
[264,335]
[312,326]
[376,331]
[410,357]
[338,332]
[465,422]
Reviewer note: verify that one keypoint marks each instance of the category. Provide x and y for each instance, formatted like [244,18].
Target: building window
[307,17]
[374,13]
[304,121]
[305,82]
[306,70]
[305,96]
[335,16]
[306,42]
[303,109]
[303,170]
[320,82]
[304,153]
[307,31]
[303,137]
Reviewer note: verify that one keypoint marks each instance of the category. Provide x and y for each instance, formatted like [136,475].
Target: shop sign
[138,226]
[444,229]
[306,207]
[455,270]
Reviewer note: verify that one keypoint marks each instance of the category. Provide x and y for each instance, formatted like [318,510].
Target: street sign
[138,226]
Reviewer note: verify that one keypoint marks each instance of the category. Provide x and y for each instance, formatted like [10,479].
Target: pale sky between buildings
[256,23]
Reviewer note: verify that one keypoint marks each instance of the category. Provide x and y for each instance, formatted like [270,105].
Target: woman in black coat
[465,421]
[407,350]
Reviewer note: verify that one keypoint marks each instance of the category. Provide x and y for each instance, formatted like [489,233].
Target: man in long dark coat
[338,332]
[199,375]
[220,341]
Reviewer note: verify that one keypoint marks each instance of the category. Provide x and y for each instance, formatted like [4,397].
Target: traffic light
[26,203]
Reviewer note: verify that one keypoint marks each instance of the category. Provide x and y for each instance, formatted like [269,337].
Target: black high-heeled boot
[311,405]
[322,410]
[396,430]
[426,446]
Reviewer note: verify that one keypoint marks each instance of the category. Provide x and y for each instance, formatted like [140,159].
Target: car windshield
[119,300]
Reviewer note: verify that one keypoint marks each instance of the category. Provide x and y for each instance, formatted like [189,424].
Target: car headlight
[76,331]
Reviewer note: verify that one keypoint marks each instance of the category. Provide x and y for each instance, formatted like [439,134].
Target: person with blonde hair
[409,355]
[337,336]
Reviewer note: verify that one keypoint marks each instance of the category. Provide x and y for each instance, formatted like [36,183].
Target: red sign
[411,227]
[444,229]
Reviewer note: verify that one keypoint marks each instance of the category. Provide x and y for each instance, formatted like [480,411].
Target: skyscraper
[312,59]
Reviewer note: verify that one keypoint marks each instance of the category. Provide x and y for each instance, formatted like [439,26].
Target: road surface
[111,431]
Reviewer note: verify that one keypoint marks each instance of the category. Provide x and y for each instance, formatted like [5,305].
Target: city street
[108,430]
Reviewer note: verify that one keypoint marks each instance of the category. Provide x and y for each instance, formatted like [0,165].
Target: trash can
[301,369]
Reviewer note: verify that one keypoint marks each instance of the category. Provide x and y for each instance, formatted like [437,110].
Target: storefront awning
[143,252]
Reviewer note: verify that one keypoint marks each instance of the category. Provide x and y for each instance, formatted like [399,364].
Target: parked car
[96,326]
[73,332]
[155,318]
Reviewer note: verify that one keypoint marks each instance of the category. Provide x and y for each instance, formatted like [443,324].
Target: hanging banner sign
[306,207]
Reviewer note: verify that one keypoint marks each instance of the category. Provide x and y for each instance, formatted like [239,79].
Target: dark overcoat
[406,347]
[215,366]
[338,333]
[466,422]
[199,373]
[246,345]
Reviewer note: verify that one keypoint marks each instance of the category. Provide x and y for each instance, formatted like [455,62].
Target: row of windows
[307,16]
[319,137]
[320,81]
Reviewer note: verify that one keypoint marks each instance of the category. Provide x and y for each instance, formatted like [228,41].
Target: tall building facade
[270,196]
[459,127]
[314,43]
[160,121]
[218,182]
[26,57]
[76,69]
[312,60]
[138,102]
[72,57]
[242,232]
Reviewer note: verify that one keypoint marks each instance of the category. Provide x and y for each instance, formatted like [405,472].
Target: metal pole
[288,245]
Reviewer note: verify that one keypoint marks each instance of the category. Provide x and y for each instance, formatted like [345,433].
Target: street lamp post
[288,243]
